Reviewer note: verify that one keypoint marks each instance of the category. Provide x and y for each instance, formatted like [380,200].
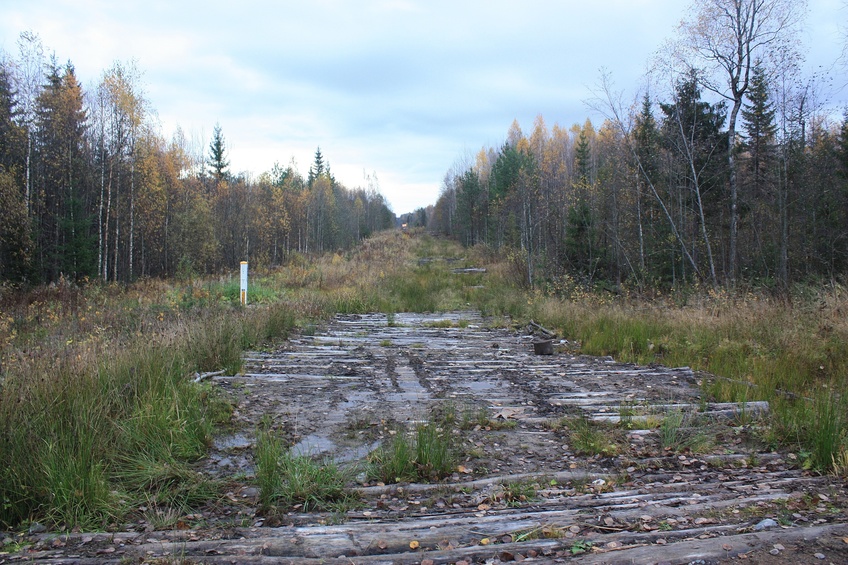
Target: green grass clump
[589,438]
[428,455]
[291,481]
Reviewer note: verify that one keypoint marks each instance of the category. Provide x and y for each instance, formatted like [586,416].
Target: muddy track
[714,494]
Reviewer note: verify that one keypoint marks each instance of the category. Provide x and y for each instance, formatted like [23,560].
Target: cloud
[400,87]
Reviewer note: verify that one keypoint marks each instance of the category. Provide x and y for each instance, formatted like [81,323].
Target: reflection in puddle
[235,441]
[317,444]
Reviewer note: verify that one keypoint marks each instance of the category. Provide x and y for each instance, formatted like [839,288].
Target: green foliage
[590,438]
[394,461]
[429,455]
[670,432]
[81,430]
[296,481]
[828,431]
[217,162]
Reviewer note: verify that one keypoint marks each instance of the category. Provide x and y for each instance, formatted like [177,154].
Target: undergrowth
[98,410]
[99,413]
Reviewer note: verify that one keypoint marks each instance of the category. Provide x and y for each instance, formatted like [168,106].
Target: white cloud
[400,87]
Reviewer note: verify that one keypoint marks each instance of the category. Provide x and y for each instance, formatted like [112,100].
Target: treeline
[90,189]
[751,185]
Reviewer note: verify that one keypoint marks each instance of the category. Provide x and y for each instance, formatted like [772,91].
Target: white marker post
[244,282]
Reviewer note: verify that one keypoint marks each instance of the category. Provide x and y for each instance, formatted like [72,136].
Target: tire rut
[523,489]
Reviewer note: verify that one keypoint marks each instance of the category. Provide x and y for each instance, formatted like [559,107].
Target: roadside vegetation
[101,414]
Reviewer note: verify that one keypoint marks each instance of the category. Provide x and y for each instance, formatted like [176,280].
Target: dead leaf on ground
[506,413]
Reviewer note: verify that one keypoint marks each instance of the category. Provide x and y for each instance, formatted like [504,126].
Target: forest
[733,170]
[89,189]
[730,166]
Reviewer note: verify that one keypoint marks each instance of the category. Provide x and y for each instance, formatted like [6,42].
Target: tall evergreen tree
[217,162]
[318,168]
[64,217]
[759,125]
[12,136]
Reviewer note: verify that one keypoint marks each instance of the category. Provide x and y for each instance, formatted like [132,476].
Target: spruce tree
[217,155]
[317,169]
[759,125]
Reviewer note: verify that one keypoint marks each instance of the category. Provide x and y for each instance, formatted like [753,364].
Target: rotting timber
[704,489]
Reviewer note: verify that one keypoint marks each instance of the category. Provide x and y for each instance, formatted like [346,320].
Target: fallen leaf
[463,469]
[414,544]
[484,541]
[382,544]
[726,546]
[506,413]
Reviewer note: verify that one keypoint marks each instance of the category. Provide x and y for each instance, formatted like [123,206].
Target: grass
[749,346]
[591,438]
[291,481]
[671,435]
[99,414]
[427,455]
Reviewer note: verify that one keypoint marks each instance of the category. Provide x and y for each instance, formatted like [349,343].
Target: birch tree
[723,39]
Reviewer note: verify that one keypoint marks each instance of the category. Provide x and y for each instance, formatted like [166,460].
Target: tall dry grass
[98,413]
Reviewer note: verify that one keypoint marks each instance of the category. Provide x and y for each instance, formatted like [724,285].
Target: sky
[400,89]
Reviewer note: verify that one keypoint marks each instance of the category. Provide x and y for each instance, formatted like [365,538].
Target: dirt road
[672,479]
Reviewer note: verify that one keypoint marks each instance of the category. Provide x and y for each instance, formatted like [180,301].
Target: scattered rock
[765,524]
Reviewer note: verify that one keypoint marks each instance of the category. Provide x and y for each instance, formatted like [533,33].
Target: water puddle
[317,444]
[235,441]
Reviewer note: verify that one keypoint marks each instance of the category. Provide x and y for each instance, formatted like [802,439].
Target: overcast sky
[402,88]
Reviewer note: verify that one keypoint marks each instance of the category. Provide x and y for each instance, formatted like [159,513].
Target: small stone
[779,546]
[765,524]
[428,562]
[36,528]
[774,551]
[819,555]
